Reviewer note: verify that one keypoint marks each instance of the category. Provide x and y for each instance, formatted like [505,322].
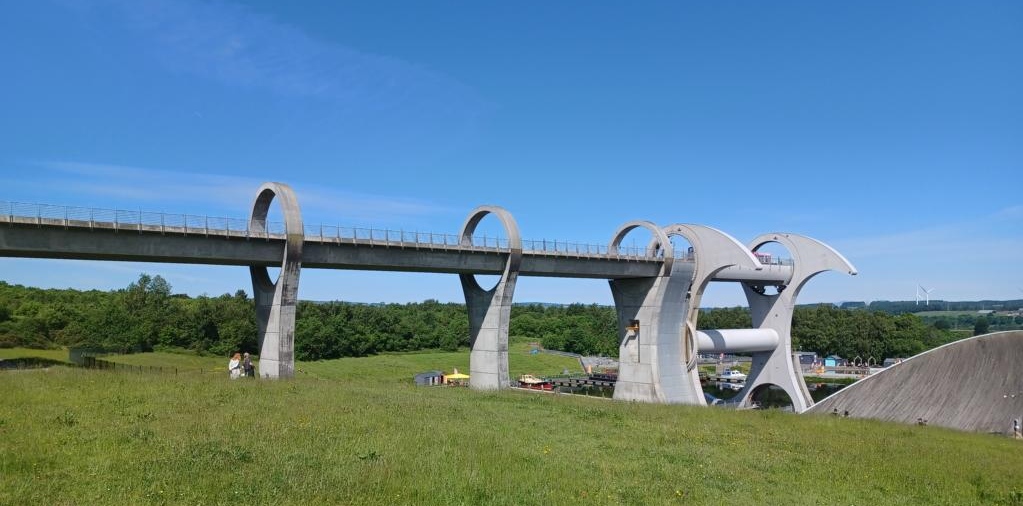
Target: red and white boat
[534,383]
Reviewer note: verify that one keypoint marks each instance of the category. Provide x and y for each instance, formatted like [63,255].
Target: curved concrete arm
[511,227]
[713,248]
[809,256]
[659,241]
[293,228]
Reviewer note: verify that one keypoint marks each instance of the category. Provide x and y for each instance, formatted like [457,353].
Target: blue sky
[892,131]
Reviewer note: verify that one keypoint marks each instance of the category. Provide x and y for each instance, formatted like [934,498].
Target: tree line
[911,306]
[141,317]
[146,316]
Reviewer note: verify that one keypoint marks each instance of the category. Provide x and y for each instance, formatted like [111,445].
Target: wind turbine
[927,295]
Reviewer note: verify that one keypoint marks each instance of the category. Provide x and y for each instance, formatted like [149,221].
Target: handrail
[140,221]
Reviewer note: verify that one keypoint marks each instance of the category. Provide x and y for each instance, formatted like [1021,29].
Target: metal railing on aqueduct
[189,224]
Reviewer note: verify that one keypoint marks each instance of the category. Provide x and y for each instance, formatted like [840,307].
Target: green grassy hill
[355,431]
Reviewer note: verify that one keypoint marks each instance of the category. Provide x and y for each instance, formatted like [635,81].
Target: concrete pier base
[650,318]
[643,354]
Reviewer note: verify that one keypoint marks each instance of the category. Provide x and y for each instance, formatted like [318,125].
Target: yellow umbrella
[455,376]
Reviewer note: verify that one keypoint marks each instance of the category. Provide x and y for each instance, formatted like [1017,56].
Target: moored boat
[534,383]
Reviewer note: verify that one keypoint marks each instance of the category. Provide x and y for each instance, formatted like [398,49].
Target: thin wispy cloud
[348,207]
[1014,213]
[136,184]
[239,47]
[984,237]
[967,259]
[177,191]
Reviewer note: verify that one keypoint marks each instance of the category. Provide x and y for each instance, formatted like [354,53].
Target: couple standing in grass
[240,366]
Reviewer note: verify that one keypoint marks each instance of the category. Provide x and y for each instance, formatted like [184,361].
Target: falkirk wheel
[657,317]
[657,314]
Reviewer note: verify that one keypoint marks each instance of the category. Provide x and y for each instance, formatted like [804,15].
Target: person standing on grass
[234,367]
[247,368]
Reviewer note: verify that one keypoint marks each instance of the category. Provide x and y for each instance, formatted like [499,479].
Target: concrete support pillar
[774,311]
[657,316]
[276,301]
[490,310]
[649,318]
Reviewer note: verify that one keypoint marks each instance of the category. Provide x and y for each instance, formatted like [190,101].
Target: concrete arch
[659,241]
[774,311]
[809,257]
[490,310]
[511,227]
[763,388]
[713,250]
[276,301]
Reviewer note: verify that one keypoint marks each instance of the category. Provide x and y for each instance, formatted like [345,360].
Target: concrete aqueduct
[656,292]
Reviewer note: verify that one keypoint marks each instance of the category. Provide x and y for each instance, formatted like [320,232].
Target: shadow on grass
[28,363]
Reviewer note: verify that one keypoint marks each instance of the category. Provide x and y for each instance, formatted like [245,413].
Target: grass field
[392,367]
[355,431]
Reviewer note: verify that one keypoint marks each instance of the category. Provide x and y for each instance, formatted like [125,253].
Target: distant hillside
[912,306]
